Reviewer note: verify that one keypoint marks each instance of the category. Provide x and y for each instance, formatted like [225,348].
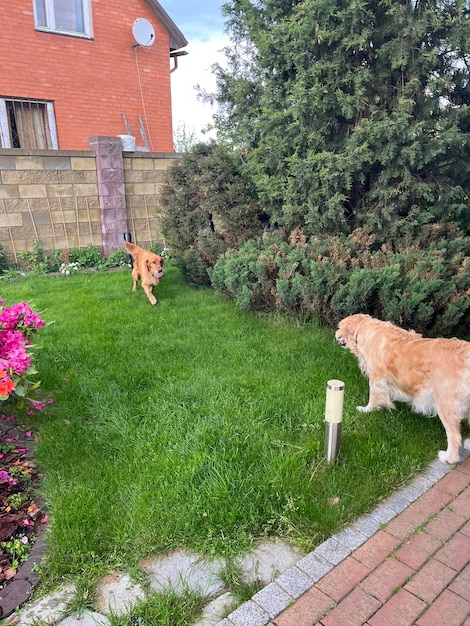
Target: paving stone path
[178,571]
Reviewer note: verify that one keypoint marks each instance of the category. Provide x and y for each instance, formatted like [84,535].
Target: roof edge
[177,39]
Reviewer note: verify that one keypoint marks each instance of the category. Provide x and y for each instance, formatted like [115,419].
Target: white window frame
[5,141]
[51,25]
[4,126]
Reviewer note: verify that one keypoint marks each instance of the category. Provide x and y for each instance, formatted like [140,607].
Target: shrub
[208,207]
[421,282]
[248,275]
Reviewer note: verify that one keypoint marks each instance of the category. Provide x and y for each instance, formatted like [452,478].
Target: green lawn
[194,424]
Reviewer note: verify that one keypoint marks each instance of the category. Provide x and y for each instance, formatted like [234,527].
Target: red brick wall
[92,82]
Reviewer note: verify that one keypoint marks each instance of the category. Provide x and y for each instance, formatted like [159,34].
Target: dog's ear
[162,260]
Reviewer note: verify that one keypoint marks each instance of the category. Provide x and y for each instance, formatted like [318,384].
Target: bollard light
[333,418]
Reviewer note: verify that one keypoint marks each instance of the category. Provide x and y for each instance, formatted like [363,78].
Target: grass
[194,424]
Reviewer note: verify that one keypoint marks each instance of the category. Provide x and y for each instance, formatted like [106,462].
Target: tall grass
[194,424]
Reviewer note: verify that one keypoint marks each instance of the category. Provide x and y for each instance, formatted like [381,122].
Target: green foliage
[352,113]
[67,260]
[86,257]
[40,262]
[18,550]
[37,261]
[208,206]
[119,257]
[353,119]
[70,260]
[421,283]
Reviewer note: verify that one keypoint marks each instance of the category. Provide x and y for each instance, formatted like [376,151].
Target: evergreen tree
[352,113]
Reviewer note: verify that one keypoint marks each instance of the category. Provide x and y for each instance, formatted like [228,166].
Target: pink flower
[20,315]
[40,404]
[18,323]
[13,355]
[6,478]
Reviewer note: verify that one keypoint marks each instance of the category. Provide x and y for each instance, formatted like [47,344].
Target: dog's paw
[466,444]
[365,409]
[444,457]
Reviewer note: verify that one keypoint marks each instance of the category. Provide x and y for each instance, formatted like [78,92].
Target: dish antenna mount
[143,32]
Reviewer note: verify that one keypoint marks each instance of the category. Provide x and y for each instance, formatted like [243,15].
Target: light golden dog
[433,375]
[148,267]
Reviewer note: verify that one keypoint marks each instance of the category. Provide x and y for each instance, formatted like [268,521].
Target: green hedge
[420,282]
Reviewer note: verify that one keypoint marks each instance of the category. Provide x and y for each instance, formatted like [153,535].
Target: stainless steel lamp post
[333,418]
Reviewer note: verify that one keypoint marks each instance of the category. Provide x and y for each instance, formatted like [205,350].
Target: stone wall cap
[45,153]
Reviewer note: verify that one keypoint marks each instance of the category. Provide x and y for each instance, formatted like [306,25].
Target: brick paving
[411,570]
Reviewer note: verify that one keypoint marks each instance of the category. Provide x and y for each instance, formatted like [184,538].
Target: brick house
[73,69]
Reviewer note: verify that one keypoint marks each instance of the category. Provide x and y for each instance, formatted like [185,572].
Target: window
[72,17]
[27,124]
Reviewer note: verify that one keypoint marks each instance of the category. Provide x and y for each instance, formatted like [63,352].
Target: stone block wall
[143,179]
[68,199]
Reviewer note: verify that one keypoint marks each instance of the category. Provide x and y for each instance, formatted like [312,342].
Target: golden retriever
[433,375]
[148,267]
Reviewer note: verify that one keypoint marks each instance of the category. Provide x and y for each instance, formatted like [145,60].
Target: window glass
[40,13]
[63,16]
[69,15]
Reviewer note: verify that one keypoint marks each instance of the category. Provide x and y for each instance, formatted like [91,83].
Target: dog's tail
[131,248]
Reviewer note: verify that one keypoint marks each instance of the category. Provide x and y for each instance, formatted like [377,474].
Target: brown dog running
[433,375]
[148,267]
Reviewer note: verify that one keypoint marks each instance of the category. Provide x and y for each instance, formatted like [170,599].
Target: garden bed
[21,511]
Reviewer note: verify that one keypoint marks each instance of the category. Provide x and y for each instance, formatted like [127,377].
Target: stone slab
[87,618]
[182,571]
[117,594]
[268,560]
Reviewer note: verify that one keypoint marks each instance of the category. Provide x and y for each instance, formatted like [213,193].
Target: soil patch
[22,517]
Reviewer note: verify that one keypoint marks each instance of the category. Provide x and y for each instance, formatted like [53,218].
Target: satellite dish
[143,32]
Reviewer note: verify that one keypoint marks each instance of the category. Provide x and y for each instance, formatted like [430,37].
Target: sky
[202,24]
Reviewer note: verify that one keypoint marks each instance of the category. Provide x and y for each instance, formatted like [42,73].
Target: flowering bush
[18,324]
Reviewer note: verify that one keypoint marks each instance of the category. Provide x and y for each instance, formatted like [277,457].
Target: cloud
[195,69]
